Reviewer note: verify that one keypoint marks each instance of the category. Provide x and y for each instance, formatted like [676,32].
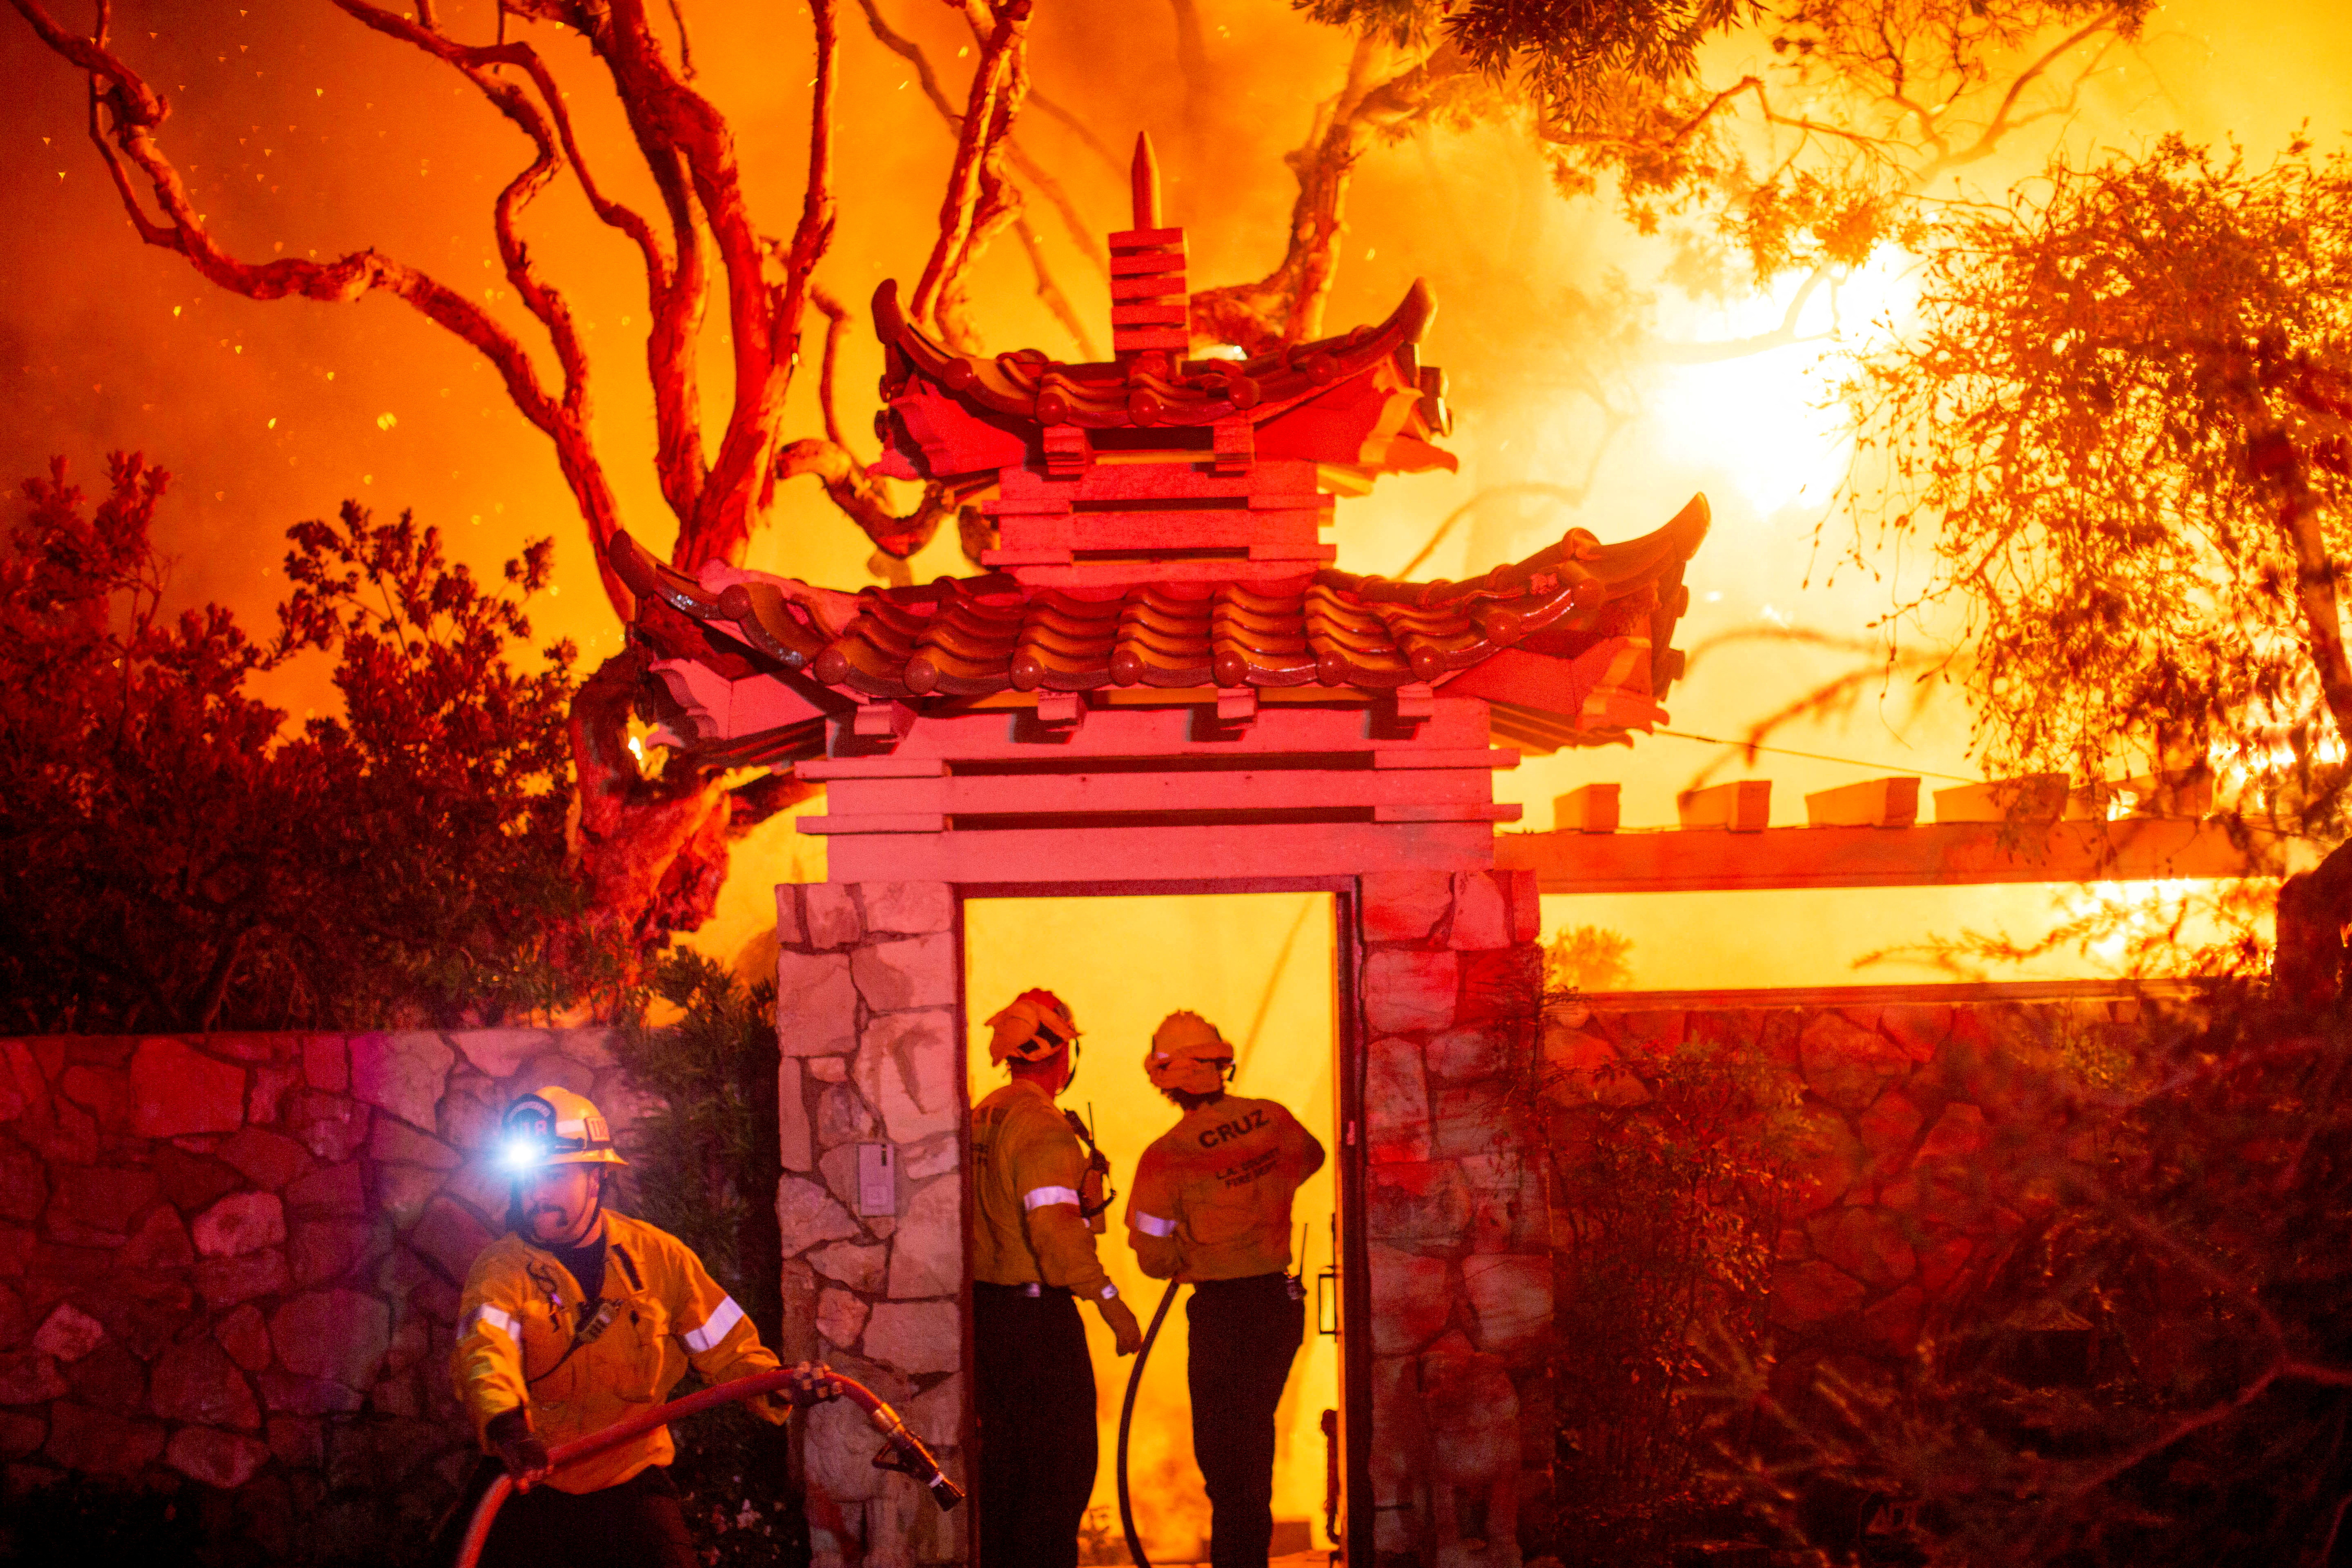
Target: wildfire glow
[1260,965]
[1761,419]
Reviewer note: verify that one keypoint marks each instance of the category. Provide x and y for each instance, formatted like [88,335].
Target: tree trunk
[652,851]
[2314,909]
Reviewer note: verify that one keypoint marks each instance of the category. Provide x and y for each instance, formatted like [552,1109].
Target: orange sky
[302,130]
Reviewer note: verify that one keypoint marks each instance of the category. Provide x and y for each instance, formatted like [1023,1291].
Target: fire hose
[1126,1416]
[803,1386]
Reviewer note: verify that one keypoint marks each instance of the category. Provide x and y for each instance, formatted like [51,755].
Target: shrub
[181,858]
[705,1167]
[2160,1373]
[1669,1188]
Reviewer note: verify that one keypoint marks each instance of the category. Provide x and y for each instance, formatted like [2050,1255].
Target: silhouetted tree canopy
[2117,436]
[175,858]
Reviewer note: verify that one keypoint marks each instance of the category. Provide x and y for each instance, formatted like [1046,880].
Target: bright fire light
[1759,418]
[2159,926]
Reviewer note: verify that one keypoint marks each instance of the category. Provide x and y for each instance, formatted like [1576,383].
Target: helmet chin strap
[595,1211]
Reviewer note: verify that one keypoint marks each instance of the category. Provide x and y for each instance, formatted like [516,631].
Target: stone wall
[1456,1217]
[1912,1142]
[869,977]
[229,1268]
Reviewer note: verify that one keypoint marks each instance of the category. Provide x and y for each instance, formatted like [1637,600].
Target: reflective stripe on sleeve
[1039,1197]
[1152,1224]
[488,1316]
[727,1315]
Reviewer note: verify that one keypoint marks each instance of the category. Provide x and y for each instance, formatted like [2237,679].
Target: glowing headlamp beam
[523,1153]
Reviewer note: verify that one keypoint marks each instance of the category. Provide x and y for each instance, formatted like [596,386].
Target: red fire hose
[803,1386]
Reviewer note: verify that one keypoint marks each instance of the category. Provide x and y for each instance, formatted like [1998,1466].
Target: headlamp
[553,1127]
[520,1154]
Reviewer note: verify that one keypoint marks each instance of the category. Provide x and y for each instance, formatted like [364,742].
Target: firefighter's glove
[1122,1325]
[517,1447]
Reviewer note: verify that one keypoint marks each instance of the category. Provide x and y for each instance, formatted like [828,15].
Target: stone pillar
[1457,1218]
[866,1017]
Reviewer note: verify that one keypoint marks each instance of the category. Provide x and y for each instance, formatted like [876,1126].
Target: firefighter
[575,1319]
[1210,1206]
[1033,1258]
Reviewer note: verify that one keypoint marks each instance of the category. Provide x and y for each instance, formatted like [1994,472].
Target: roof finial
[1148,302]
[1146,177]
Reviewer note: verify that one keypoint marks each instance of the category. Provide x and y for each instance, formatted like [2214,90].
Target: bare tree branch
[1088,243]
[125,113]
[1562,494]
[845,479]
[973,198]
[1051,292]
[1739,348]
[1287,305]
[676,285]
[837,326]
[1193,65]
[861,497]
[1079,129]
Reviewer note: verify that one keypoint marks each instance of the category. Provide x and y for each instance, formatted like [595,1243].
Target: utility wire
[1813,756]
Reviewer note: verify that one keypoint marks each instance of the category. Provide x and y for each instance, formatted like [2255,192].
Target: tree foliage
[2118,431]
[704,1166]
[1803,166]
[1589,958]
[177,859]
[2147,1358]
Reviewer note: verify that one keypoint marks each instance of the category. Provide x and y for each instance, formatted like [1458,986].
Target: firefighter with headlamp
[577,1317]
[1211,1207]
[1033,1258]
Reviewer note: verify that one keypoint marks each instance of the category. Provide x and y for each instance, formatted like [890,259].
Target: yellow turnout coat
[526,1337]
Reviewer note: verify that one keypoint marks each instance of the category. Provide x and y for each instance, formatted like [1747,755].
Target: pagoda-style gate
[1163,686]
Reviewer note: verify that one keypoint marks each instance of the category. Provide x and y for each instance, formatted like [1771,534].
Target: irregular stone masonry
[868,988]
[1913,1146]
[1457,1222]
[231,1263]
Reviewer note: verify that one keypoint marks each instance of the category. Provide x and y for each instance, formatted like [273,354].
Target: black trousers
[636,1524]
[1035,1393]
[1246,1332]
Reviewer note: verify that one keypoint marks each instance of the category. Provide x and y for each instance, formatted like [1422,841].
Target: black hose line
[1126,1416]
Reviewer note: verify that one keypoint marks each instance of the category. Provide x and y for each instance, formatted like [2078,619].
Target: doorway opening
[1264,968]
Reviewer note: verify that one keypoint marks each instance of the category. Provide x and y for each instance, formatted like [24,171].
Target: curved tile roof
[972,637]
[1027,386]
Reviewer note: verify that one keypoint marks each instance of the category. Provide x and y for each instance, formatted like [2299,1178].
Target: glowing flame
[1762,418]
